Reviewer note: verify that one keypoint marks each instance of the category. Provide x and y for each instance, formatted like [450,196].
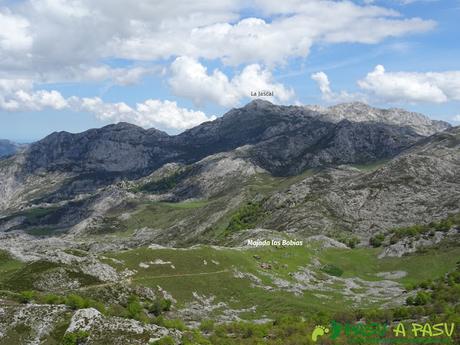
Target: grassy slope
[165,215]
[192,275]
[363,263]
[8,266]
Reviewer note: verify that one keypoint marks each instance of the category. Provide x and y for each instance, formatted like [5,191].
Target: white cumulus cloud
[15,34]
[324,85]
[190,79]
[53,36]
[165,115]
[397,87]
[119,76]
[436,87]
[19,95]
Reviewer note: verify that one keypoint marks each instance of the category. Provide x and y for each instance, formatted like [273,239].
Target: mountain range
[8,148]
[72,178]
[124,235]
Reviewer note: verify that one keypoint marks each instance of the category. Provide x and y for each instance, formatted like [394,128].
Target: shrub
[246,217]
[377,240]
[410,300]
[134,308]
[26,296]
[352,242]
[75,338]
[53,299]
[421,298]
[170,323]
[75,302]
[207,326]
[444,225]
[159,306]
[332,270]
[401,313]
[116,310]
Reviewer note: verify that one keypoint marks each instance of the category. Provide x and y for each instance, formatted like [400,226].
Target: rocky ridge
[361,112]
[8,148]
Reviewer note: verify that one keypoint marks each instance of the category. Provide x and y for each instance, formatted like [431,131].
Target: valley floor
[159,295]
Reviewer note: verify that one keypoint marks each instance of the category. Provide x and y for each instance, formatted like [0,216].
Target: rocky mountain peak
[8,148]
[352,111]
[362,112]
[259,103]
[352,107]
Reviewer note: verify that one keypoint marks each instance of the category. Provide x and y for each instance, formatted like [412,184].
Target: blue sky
[74,65]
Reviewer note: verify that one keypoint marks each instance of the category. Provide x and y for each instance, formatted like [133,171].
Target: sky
[78,64]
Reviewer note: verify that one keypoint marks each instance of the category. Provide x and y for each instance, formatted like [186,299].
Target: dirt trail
[130,280]
[185,275]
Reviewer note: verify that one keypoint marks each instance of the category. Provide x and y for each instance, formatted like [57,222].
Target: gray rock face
[284,140]
[75,173]
[210,176]
[360,112]
[287,139]
[117,330]
[419,186]
[411,245]
[114,149]
[39,319]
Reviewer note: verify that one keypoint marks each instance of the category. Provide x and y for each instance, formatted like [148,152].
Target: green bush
[134,308]
[352,242]
[416,230]
[332,270]
[75,338]
[53,299]
[159,306]
[170,323]
[410,300]
[246,217]
[444,225]
[422,298]
[26,296]
[377,240]
[76,302]
[207,326]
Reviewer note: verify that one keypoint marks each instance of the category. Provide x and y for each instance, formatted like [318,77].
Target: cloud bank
[77,41]
[190,79]
[399,87]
